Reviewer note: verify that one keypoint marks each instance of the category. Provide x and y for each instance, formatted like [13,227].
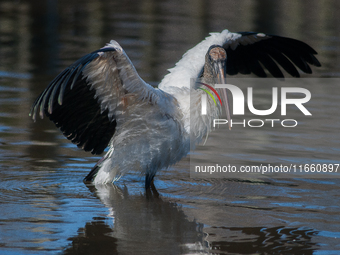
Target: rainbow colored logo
[204,97]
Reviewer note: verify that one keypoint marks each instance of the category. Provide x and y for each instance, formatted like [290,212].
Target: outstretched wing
[253,52]
[83,99]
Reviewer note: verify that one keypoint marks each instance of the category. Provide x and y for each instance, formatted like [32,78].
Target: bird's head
[214,72]
[215,62]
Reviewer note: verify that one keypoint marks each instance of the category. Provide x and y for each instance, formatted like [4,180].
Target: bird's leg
[154,190]
[149,180]
[150,188]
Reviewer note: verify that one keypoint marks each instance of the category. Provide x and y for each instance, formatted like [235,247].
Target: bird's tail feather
[94,171]
[90,177]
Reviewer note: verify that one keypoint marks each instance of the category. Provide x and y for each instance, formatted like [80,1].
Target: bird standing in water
[100,101]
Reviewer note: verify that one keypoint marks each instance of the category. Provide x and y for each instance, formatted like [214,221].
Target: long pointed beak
[221,74]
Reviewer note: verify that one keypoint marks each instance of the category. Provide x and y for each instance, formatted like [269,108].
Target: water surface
[45,207]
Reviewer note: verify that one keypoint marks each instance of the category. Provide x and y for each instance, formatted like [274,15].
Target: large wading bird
[100,101]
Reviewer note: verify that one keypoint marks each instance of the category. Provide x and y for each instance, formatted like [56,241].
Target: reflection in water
[139,219]
[278,240]
[95,238]
[145,220]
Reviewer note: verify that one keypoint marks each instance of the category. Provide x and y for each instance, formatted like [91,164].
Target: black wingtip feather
[72,106]
[272,51]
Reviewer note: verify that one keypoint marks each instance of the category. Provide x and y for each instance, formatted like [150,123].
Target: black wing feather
[72,106]
[272,51]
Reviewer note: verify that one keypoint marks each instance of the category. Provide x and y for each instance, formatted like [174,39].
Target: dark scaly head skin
[216,53]
[215,60]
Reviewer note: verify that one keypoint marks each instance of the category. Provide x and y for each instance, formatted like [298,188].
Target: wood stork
[100,101]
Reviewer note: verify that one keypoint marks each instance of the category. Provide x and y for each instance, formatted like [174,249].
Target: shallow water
[45,207]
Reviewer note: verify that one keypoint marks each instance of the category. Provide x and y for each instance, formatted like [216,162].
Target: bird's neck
[192,62]
[194,123]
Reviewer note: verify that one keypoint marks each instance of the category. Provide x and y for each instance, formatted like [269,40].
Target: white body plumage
[156,136]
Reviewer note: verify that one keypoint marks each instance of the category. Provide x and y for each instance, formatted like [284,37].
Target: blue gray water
[46,209]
